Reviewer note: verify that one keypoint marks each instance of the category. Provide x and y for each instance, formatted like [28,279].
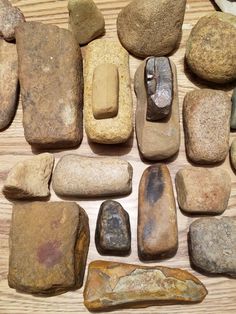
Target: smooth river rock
[82,176]
[30,178]
[211,196]
[227,6]
[48,247]
[113,236]
[157,219]
[51,80]
[112,285]
[206,118]
[212,245]
[233,112]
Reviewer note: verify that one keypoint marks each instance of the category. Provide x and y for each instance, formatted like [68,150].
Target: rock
[206,115]
[210,49]
[48,247]
[151,27]
[233,112]
[92,177]
[85,20]
[10,17]
[113,236]
[30,178]
[209,197]
[51,79]
[212,245]
[160,139]
[157,220]
[9,83]
[227,6]
[117,129]
[233,154]
[112,285]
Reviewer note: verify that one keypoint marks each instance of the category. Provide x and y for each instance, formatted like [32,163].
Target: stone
[113,285]
[105,91]
[206,118]
[113,236]
[9,83]
[233,154]
[233,112]
[210,49]
[82,176]
[51,80]
[212,245]
[30,178]
[85,20]
[160,139]
[117,129]
[10,17]
[143,37]
[48,247]
[227,6]
[157,219]
[209,197]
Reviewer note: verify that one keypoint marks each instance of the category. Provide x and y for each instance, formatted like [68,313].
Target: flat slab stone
[212,245]
[113,236]
[157,220]
[48,247]
[51,79]
[211,196]
[112,285]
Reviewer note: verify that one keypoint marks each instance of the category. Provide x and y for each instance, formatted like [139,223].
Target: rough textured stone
[206,115]
[143,37]
[92,177]
[113,236]
[233,112]
[48,247]
[211,196]
[85,20]
[212,245]
[113,285]
[9,82]
[233,154]
[50,73]
[157,220]
[210,49]
[119,128]
[161,139]
[30,178]
[227,6]
[10,17]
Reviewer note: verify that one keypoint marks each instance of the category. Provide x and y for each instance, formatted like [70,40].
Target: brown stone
[211,196]
[206,117]
[157,220]
[50,73]
[48,247]
[30,178]
[112,285]
[233,154]
[113,236]
[160,139]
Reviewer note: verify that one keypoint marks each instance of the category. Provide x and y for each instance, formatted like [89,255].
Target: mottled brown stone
[50,73]
[112,285]
[48,247]
[157,220]
[113,236]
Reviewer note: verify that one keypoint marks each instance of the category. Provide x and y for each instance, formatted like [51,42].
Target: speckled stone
[233,112]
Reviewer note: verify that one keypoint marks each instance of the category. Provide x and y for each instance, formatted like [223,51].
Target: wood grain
[13,148]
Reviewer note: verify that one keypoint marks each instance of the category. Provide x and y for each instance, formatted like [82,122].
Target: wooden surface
[13,148]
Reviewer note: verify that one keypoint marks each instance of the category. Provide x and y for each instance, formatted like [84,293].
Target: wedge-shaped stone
[48,247]
[113,285]
[92,177]
[157,140]
[30,178]
[50,73]
[117,129]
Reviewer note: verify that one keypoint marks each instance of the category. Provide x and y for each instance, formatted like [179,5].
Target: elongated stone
[92,177]
[157,220]
[9,82]
[233,111]
[112,285]
[157,140]
[233,154]
[113,236]
[48,247]
[50,73]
